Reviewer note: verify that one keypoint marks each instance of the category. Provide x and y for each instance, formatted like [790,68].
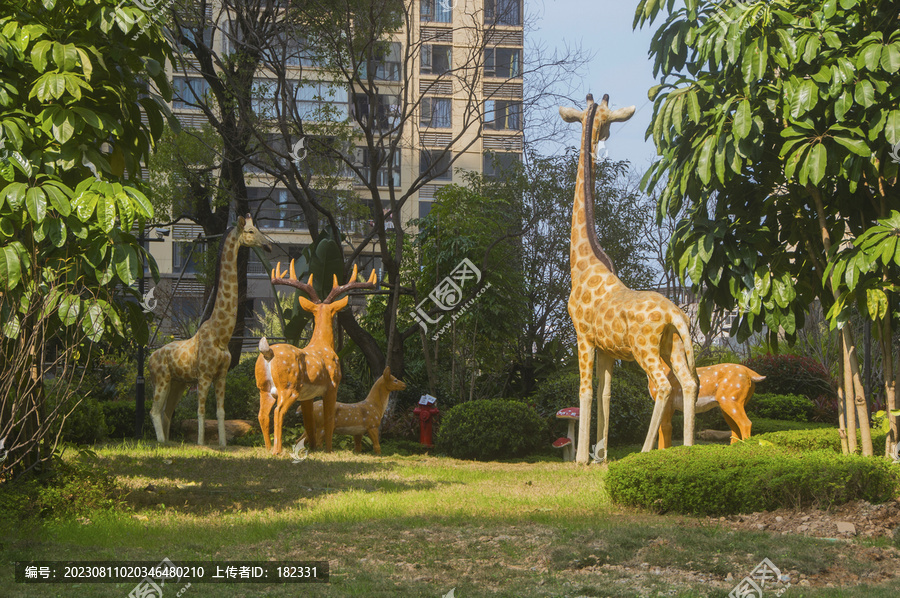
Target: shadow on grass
[204,480]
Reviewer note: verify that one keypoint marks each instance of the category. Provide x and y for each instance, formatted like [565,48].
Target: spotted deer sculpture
[204,358]
[286,374]
[612,320]
[728,385]
[364,417]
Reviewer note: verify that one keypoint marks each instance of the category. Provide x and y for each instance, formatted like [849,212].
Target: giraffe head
[249,235]
[603,116]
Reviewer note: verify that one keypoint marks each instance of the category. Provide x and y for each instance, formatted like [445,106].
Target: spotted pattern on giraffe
[204,358]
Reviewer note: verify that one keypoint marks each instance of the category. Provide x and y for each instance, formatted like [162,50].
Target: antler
[352,284]
[306,287]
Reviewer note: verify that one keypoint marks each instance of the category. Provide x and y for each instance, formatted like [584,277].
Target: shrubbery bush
[792,375]
[764,426]
[630,409]
[119,416]
[828,439]
[86,424]
[490,429]
[746,478]
[241,394]
[795,408]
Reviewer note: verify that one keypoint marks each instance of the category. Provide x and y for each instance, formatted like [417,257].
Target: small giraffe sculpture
[204,358]
[364,417]
[287,374]
[728,385]
[610,318]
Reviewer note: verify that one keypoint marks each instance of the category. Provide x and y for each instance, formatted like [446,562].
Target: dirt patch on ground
[854,519]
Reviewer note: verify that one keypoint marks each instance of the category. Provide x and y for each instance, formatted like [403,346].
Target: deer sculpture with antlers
[286,374]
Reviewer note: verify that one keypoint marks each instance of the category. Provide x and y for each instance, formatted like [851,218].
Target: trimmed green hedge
[788,407]
[764,426]
[746,478]
[827,439]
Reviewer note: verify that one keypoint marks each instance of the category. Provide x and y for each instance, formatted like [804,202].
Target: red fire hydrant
[426,412]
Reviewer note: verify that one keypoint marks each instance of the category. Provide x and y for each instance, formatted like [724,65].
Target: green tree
[71,109]
[774,122]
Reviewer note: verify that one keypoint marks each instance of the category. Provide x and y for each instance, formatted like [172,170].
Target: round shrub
[119,416]
[490,429]
[630,405]
[792,375]
[86,424]
[241,394]
[795,408]
[746,478]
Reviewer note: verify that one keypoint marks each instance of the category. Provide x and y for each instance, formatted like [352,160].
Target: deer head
[390,382]
[602,117]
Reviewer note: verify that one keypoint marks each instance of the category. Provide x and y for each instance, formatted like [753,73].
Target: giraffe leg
[604,367]
[329,406]
[664,397]
[687,378]
[176,390]
[160,397]
[266,402]
[220,402]
[202,391]
[585,397]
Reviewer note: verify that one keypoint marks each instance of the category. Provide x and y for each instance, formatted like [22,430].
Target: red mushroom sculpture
[571,414]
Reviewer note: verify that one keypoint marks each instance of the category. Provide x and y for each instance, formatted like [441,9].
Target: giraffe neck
[584,235]
[220,325]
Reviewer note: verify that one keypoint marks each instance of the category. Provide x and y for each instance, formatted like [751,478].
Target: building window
[503,12]
[275,209]
[188,92]
[182,257]
[436,165]
[383,115]
[424,207]
[436,113]
[503,115]
[436,11]
[436,59]
[500,164]
[505,63]
[385,173]
[385,63]
[321,101]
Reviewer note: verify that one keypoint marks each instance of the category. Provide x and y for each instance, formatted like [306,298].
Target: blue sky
[620,66]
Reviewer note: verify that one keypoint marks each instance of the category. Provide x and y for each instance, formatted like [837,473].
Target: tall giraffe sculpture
[610,318]
[204,358]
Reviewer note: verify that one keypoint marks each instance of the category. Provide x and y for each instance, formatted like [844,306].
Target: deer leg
[665,426]
[357,442]
[309,424]
[585,397]
[266,402]
[373,434]
[285,400]
[329,406]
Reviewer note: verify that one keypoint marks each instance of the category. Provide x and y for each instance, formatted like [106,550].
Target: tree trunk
[890,382]
[859,396]
[848,406]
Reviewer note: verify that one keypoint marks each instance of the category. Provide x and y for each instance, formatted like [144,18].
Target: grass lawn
[418,525]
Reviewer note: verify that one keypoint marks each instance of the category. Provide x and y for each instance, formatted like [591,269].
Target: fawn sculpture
[286,374]
[728,385]
[364,417]
[204,358]
[611,319]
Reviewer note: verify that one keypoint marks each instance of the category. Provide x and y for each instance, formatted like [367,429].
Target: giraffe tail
[684,331]
[266,350]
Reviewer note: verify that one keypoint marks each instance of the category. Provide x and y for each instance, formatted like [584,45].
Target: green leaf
[127,263]
[892,127]
[36,204]
[49,86]
[84,205]
[93,322]
[870,57]
[69,309]
[890,58]
[704,161]
[857,146]
[10,268]
[743,120]
[39,55]
[818,163]
[876,303]
[14,193]
[864,94]
[106,212]
[58,199]
[57,232]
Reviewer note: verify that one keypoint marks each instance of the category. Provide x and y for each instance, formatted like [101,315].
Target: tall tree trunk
[848,406]
[890,382]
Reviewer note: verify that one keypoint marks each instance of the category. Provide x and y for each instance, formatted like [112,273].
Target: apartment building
[463,75]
